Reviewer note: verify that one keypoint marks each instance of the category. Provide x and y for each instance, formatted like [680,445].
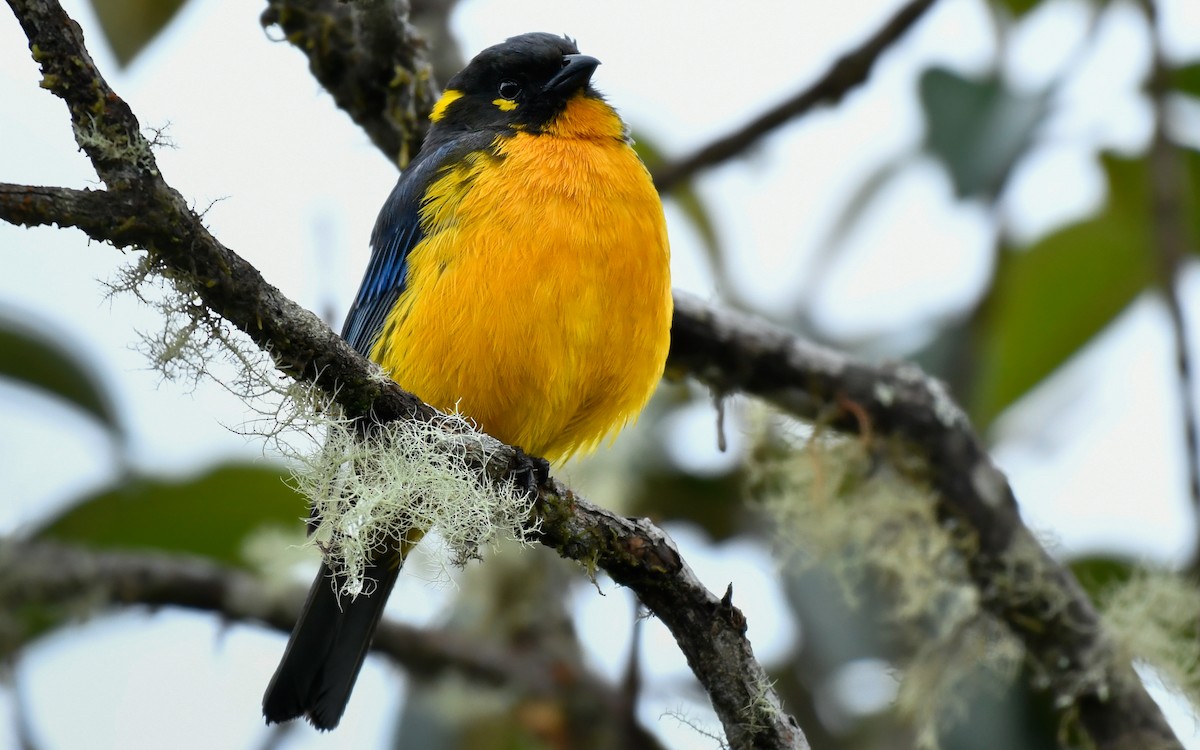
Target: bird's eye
[510,90]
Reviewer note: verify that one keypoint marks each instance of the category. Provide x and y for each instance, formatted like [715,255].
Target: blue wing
[397,231]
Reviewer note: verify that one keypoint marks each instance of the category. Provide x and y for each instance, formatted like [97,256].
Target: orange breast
[539,302]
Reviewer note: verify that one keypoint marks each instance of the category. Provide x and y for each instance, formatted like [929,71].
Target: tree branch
[1017,580]
[849,71]
[1171,247]
[48,574]
[325,31]
[370,59]
[145,213]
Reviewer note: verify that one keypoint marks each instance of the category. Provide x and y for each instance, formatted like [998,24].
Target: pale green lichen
[861,516]
[1154,618]
[137,151]
[763,711]
[973,652]
[191,342]
[369,488]
[372,492]
[707,731]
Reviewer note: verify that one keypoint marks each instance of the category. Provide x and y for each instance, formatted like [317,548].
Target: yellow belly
[539,303]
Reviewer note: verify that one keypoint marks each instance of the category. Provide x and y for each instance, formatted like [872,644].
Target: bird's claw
[531,472]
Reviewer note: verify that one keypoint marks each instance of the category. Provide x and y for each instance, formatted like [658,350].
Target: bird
[520,276]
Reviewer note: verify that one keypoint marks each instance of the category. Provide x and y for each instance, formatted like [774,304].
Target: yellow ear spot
[508,105]
[449,96]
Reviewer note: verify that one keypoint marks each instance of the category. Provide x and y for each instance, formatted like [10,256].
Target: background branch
[848,72]
[46,574]
[1170,245]
[1017,580]
[373,62]
[325,31]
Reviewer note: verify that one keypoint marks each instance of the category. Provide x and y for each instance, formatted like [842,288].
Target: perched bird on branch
[519,275]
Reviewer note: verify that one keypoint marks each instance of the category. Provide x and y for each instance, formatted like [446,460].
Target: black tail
[326,650]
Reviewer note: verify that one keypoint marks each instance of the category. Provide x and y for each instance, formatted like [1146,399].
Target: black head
[521,84]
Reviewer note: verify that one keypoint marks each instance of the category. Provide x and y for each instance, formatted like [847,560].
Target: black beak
[576,72]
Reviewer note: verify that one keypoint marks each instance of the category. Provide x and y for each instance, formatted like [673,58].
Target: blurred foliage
[130,25]
[45,361]
[664,494]
[1020,7]
[211,515]
[1186,79]
[1048,300]
[1100,574]
[977,128]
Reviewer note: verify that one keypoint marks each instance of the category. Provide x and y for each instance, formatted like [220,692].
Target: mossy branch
[1018,582]
[370,59]
[141,211]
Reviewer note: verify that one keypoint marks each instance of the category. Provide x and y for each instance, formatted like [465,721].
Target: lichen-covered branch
[711,632]
[370,59]
[635,553]
[1018,581]
[141,211]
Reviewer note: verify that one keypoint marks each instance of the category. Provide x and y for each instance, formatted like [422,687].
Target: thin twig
[1171,246]
[326,32]
[849,71]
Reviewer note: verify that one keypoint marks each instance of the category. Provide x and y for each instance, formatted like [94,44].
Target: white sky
[296,188]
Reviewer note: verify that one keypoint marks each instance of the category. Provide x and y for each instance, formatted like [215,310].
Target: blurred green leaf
[43,361]
[1187,79]
[1019,7]
[27,621]
[1098,574]
[1190,196]
[209,515]
[129,25]
[978,129]
[1049,300]
[710,502]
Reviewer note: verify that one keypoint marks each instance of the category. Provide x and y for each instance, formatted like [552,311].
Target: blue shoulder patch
[397,231]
